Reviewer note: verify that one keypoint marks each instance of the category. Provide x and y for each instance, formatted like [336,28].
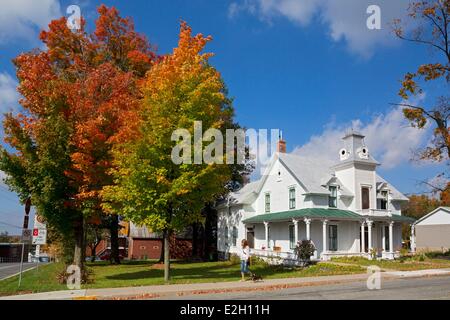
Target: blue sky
[310,68]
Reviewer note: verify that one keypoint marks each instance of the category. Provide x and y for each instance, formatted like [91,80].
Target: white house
[346,209]
[432,232]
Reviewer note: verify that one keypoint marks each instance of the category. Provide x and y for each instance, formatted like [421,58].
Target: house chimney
[281,144]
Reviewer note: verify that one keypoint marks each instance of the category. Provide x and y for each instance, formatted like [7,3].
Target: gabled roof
[394,193]
[309,172]
[447,209]
[246,194]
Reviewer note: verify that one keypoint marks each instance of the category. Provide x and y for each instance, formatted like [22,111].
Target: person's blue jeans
[244,266]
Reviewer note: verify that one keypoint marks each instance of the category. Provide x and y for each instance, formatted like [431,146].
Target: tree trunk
[114,230]
[210,234]
[166,256]
[94,251]
[79,252]
[161,256]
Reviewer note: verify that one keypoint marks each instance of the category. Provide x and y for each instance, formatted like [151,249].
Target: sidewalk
[161,291]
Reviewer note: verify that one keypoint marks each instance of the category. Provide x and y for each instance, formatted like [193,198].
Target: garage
[432,232]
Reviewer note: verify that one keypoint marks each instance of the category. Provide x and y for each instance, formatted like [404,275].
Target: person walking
[245,258]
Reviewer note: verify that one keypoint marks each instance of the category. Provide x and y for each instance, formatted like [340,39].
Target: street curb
[166,291]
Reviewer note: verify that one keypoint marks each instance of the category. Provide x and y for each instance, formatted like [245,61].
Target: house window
[332,237]
[332,198]
[384,200]
[226,236]
[386,239]
[292,198]
[234,236]
[365,198]
[267,202]
[292,243]
[269,238]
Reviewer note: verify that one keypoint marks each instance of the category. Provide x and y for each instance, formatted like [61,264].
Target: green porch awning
[321,213]
[404,219]
[317,213]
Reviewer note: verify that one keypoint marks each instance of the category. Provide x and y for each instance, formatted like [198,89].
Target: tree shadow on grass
[123,263]
[216,272]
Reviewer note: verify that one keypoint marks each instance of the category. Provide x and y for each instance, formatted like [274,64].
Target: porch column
[308,230]
[295,230]
[383,239]
[324,235]
[369,232]
[391,238]
[413,239]
[266,228]
[363,237]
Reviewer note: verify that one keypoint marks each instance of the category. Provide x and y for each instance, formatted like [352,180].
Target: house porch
[333,232]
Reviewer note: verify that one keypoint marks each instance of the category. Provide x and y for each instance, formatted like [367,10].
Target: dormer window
[332,198]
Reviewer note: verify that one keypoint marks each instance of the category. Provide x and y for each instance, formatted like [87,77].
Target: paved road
[437,287]
[9,269]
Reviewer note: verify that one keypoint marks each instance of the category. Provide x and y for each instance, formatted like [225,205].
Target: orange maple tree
[88,83]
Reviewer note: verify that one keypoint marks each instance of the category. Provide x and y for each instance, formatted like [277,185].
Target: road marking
[16,274]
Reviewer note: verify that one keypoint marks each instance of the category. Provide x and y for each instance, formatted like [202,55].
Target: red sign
[35,232]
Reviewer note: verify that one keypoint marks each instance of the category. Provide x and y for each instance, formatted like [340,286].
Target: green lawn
[141,273]
[404,264]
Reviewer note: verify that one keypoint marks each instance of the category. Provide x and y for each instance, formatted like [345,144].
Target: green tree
[150,189]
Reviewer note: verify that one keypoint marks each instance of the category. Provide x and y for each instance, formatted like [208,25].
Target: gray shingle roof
[309,172]
[312,174]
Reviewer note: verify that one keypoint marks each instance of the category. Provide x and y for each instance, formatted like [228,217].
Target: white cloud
[390,139]
[345,19]
[8,93]
[20,18]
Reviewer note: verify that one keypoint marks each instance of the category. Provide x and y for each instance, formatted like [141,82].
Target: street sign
[26,235]
[39,230]
[39,236]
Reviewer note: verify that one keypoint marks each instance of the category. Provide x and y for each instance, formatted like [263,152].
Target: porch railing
[276,257]
[375,212]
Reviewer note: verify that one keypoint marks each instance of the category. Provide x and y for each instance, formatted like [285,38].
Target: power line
[10,225]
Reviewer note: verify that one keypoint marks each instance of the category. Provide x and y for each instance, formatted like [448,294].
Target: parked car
[41,259]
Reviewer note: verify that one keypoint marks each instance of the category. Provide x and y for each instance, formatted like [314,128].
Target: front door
[251,238]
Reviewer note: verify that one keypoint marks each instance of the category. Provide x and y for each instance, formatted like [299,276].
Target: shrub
[234,259]
[404,252]
[255,260]
[373,253]
[304,250]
